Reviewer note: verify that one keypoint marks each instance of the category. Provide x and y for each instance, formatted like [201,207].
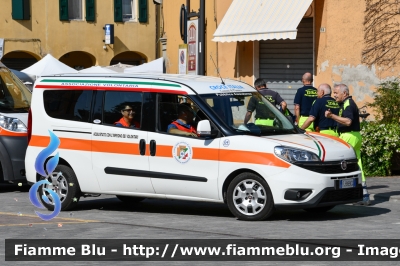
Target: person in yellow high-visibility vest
[263,116]
[349,128]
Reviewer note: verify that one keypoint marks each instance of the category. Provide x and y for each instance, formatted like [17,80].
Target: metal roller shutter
[283,62]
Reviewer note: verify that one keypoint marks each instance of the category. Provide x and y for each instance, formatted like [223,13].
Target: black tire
[72,194]
[130,200]
[320,209]
[261,187]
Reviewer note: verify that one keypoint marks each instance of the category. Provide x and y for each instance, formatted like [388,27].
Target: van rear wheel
[249,197]
[64,183]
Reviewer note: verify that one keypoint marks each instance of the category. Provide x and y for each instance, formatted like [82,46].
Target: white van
[253,169]
[15,101]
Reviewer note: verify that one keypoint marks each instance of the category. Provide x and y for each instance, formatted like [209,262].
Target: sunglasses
[128,110]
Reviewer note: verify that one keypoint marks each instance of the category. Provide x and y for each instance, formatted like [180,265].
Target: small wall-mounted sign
[109,34]
[322,29]
[182,59]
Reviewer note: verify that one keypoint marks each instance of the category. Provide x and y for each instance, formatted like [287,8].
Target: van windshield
[14,96]
[265,119]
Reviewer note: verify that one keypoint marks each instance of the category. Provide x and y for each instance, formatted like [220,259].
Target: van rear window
[71,105]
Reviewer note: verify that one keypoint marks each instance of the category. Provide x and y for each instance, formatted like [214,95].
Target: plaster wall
[339,49]
[45,34]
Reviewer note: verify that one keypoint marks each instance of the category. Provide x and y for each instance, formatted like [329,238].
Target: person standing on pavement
[349,128]
[317,112]
[263,116]
[303,101]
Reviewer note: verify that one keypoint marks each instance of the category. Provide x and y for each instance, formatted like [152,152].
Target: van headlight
[12,124]
[295,155]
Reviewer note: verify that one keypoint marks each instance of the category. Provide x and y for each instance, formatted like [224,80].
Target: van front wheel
[64,183]
[249,197]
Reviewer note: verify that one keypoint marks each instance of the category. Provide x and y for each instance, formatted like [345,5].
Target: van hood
[327,148]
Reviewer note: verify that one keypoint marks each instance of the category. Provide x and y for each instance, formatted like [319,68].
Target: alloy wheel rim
[249,197]
[59,184]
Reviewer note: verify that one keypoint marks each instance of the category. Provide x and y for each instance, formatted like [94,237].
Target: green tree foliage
[387,102]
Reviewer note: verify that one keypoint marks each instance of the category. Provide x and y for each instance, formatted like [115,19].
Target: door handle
[142,147]
[152,147]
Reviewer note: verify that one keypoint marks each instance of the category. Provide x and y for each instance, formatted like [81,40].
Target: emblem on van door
[226,143]
[182,152]
[343,164]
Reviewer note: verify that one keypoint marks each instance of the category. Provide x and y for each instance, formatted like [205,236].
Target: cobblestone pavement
[384,188]
[108,218]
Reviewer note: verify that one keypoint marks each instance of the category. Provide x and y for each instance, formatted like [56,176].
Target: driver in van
[127,118]
[182,126]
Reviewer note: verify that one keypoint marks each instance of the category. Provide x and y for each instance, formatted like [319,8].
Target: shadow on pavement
[376,187]
[385,196]
[4,188]
[157,206]
[340,212]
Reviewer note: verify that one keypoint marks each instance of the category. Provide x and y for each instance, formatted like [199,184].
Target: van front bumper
[327,197]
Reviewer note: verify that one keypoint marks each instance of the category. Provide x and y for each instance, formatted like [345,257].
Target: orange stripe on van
[198,153]
[227,156]
[330,137]
[163,151]
[252,158]
[4,132]
[205,154]
[88,145]
[65,143]
[115,147]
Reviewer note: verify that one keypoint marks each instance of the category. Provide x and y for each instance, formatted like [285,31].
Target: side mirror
[204,129]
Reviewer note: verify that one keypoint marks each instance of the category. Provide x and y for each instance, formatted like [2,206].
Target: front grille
[329,167]
[343,195]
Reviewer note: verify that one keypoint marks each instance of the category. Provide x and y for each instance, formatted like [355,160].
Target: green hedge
[380,142]
[381,138]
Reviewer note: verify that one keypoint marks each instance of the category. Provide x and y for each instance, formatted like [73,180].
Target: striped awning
[254,20]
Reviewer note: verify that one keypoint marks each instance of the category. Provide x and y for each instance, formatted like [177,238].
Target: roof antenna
[222,81]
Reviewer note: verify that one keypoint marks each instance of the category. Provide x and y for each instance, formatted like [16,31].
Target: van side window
[123,109]
[71,105]
[171,108]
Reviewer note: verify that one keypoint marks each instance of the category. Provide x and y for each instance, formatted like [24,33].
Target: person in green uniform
[349,128]
[264,116]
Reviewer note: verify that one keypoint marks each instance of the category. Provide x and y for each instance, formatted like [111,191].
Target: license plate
[347,183]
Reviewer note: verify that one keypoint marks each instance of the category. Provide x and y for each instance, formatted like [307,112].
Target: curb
[378,197]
